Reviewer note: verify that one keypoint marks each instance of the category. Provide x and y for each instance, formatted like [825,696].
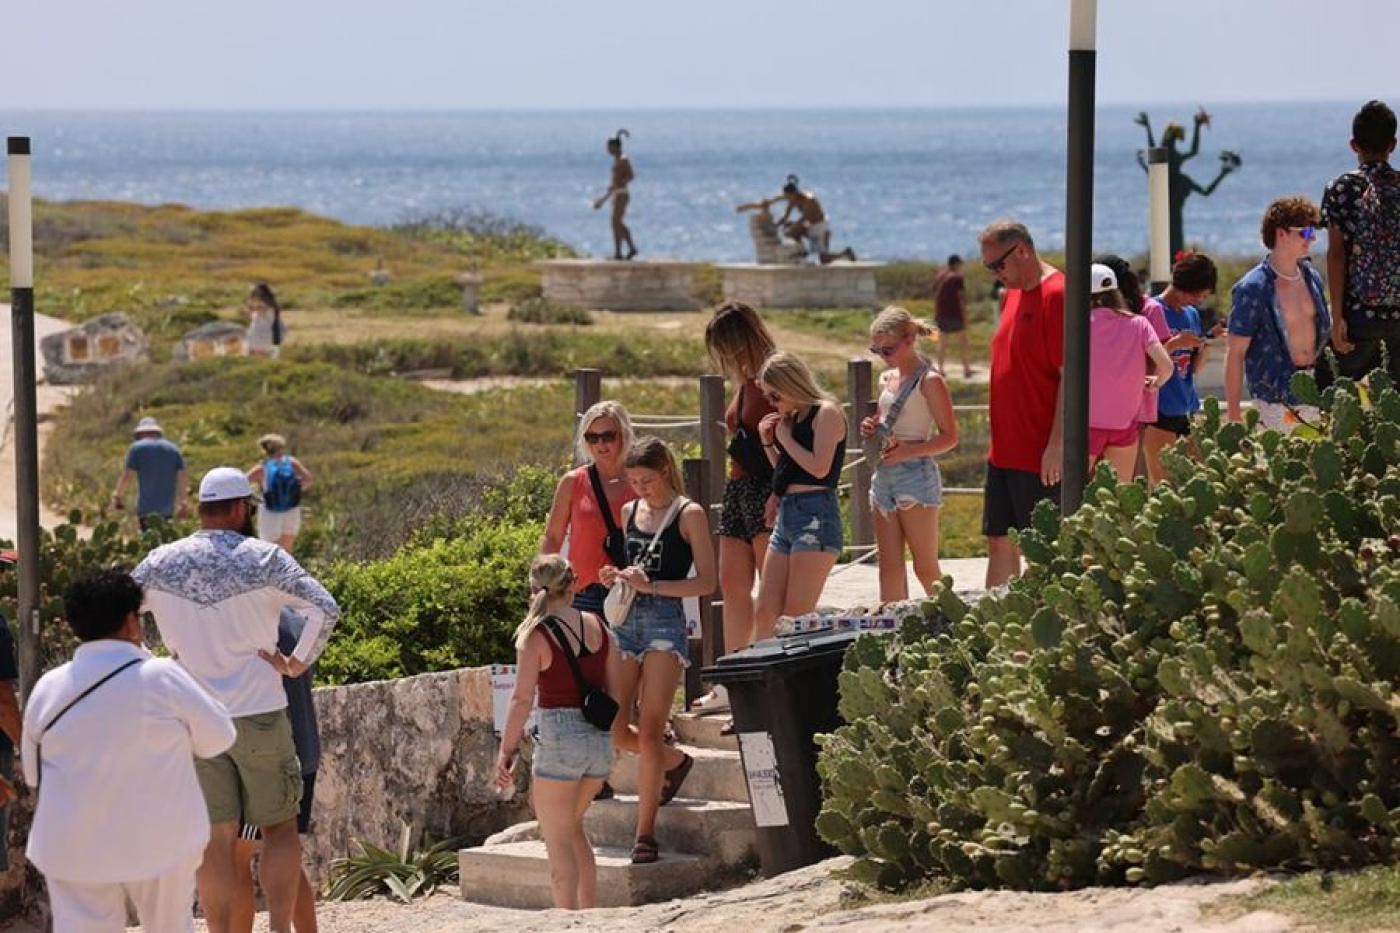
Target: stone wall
[634,285]
[835,285]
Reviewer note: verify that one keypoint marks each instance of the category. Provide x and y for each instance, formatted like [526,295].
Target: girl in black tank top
[665,534]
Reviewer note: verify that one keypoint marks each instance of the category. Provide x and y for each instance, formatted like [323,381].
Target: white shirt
[216,596]
[119,799]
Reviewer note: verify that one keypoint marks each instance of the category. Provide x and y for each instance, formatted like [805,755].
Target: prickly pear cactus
[1200,679]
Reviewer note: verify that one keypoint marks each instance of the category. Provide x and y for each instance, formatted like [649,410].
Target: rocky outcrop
[92,349]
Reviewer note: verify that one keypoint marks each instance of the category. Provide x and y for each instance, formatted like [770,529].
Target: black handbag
[598,708]
[746,447]
[614,542]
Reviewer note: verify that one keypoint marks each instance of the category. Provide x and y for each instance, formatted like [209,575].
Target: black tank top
[670,559]
[787,473]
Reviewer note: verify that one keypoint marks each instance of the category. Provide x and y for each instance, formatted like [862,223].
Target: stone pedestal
[471,292]
[838,285]
[636,285]
[769,248]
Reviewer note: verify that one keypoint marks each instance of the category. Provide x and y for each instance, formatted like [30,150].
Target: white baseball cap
[222,483]
[1101,279]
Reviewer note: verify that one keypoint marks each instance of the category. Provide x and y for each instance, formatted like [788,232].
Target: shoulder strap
[602,497]
[72,703]
[905,390]
[677,504]
[551,623]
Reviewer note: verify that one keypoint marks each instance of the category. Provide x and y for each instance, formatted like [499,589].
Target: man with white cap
[159,469]
[216,596]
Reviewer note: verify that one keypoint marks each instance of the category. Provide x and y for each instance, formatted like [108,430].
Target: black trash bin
[783,692]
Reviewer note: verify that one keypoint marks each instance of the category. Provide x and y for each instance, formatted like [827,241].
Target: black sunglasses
[602,437]
[996,267]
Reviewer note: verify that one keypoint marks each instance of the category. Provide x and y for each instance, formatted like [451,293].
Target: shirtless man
[622,176]
[1279,320]
[810,225]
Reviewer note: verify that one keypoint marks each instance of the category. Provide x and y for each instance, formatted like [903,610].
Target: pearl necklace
[1297,276]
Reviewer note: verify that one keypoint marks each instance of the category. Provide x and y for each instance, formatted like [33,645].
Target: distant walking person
[950,312]
[159,470]
[283,479]
[805,439]
[265,329]
[217,596]
[914,424]
[811,226]
[1361,210]
[1026,460]
[572,755]
[622,177]
[1279,321]
[1121,342]
[110,744]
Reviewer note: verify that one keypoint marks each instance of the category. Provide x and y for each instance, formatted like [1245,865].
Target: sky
[637,54]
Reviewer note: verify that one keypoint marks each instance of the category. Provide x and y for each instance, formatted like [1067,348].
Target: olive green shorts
[259,778]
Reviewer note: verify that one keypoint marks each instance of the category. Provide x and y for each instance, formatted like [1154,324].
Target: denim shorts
[807,521]
[906,484]
[656,623]
[569,747]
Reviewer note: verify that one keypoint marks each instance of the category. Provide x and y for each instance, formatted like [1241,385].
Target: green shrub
[418,294]
[1203,679]
[540,311]
[903,281]
[404,874]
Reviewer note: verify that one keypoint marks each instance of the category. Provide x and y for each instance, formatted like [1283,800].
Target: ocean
[896,184]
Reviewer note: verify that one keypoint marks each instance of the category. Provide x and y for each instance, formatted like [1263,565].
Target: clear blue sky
[568,54]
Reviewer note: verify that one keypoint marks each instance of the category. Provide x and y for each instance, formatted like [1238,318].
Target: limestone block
[638,285]
[217,338]
[838,285]
[93,349]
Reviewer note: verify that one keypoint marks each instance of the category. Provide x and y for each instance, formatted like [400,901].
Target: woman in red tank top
[572,756]
[604,436]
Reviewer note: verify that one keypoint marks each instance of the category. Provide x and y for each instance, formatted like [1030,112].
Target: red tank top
[557,687]
[587,529]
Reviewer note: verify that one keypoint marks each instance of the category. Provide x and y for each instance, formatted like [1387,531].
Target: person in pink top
[1121,343]
[604,436]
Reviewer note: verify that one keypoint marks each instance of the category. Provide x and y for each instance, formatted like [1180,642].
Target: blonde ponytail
[550,575]
[895,321]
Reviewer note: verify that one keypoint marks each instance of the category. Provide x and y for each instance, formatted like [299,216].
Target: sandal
[727,728]
[671,784]
[713,702]
[645,850]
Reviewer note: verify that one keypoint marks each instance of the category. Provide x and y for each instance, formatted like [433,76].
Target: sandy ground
[811,900]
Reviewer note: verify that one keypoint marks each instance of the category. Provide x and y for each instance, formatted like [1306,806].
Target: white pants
[165,903]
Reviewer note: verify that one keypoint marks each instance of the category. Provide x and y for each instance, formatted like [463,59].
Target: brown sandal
[671,784]
[645,850]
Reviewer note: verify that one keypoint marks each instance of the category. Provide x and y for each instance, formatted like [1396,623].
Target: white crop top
[915,421]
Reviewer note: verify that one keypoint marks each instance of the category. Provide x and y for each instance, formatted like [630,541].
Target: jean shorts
[656,623]
[569,747]
[807,521]
[907,484]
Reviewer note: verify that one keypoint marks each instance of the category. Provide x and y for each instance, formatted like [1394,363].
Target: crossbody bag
[875,444]
[597,707]
[614,542]
[39,742]
[618,604]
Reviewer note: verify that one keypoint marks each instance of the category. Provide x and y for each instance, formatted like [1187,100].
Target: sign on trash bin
[765,784]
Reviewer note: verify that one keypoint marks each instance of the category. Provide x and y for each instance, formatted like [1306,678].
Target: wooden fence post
[712,436]
[706,648]
[588,391]
[858,389]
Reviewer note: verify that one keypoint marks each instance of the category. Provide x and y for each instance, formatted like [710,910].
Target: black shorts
[950,325]
[1180,425]
[1009,497]
[1360,361]
[308,790]
[741,511]
[590,599]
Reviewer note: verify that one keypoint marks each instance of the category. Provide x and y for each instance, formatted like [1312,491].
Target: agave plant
[403,874]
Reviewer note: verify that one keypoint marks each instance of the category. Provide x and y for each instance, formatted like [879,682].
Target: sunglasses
[602,437]
[886,352]
[1308,233]
[996,267]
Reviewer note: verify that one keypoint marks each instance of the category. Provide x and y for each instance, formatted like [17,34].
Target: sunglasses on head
[996,266]
[602,437]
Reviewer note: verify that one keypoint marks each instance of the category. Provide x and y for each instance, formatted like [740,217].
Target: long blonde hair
[604,409]
[790,378]
[737,340]
[895,321]
[550,575]
[653,453]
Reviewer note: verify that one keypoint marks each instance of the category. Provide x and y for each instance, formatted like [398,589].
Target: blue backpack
[281,486]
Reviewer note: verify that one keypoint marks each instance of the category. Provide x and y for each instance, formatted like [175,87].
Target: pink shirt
[1118,345]
[1152,310]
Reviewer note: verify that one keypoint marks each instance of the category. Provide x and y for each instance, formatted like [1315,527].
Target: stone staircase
[705,835]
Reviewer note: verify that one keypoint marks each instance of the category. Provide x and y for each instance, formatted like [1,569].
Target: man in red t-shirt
[1027,454]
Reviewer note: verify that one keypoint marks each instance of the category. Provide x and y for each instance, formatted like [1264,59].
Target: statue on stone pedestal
[1180,186]
[622,176]
[811,225]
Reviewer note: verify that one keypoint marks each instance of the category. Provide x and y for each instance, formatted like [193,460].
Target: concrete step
[516,874]
[719,831]
[717,775]
[703,730]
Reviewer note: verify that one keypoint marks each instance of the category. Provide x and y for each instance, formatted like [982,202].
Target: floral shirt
[1255,313]
[1364,207]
